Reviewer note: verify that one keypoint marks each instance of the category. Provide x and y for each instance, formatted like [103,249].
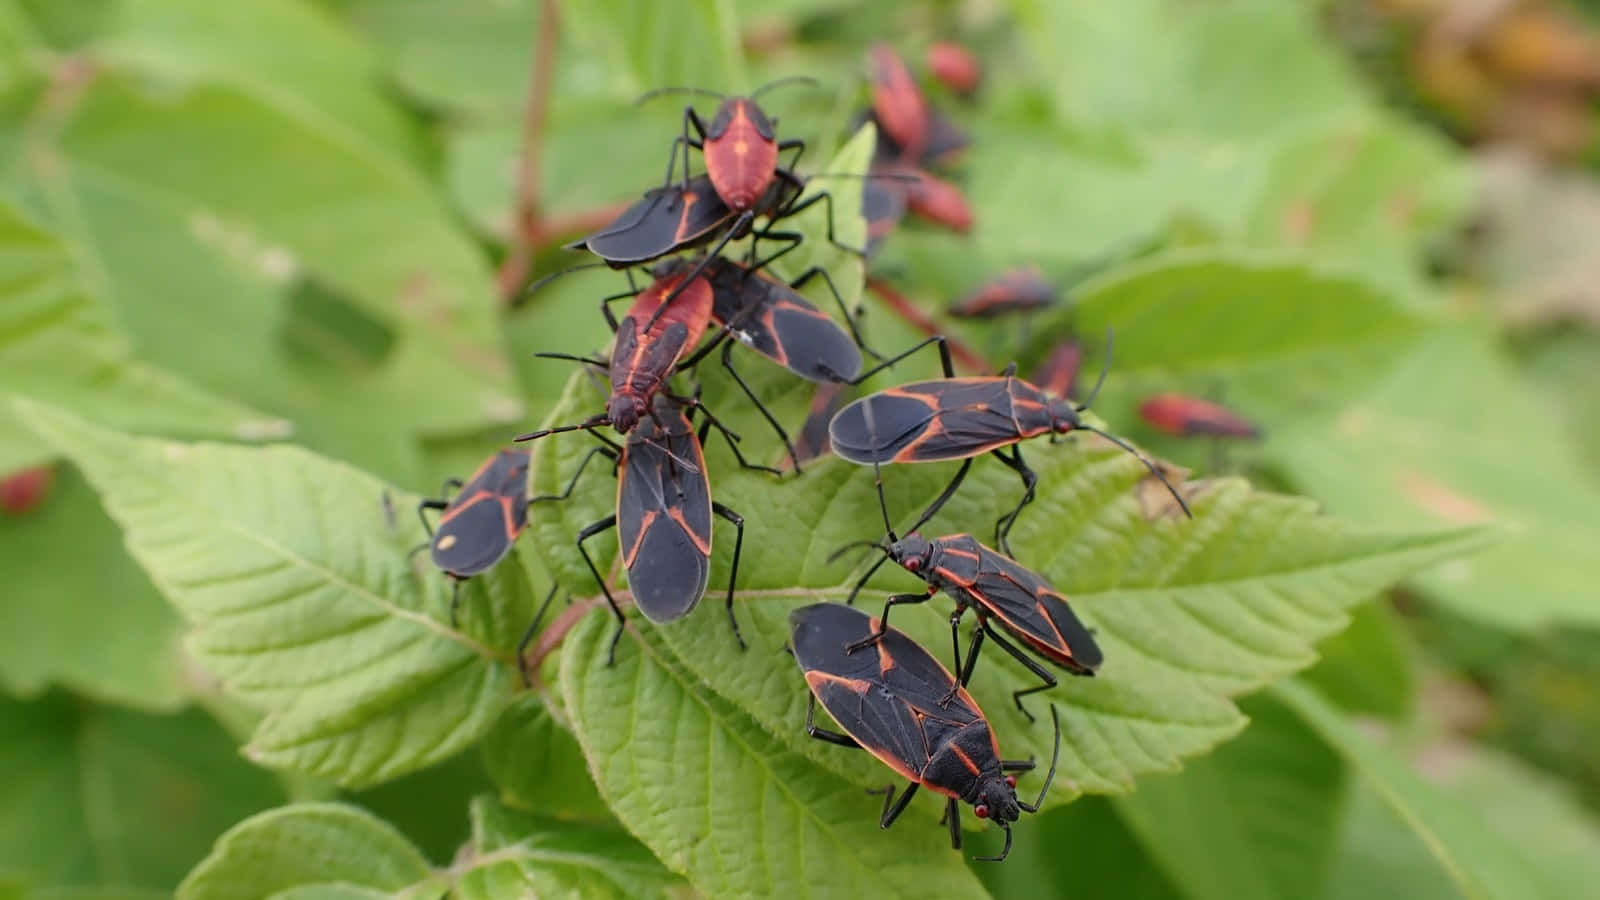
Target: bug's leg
[964,674]
[733,573]
[944,360]
[1030,479]
[584,535]
[849,320]
[892,808]
[1028,662]
[573,482]
[727,363]
[952,814]
[527,636]
[883,619]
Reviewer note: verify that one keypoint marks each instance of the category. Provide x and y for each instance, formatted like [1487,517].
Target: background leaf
[303,846]
[56,343]
[302,599]
[87,781]
[518,854]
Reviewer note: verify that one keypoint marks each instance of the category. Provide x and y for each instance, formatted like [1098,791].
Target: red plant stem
[525,217]
[965,356]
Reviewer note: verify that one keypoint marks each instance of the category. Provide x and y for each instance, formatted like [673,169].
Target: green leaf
[306,844]
[515,854]
[716,798]
[469,56]
[538,764]
[1455,436]
[1478,860]
[1073,203]
[57,344]
[1381,855]
[1258,818]
[641,45]
[1370,667]
[1299,340]
[365,228]
[1189,614]
[1107,862]
[328,82]
[303,601]
[1200,67]
[105,799]
[1533,813]
[1369,192]
[101,629]
[426,806]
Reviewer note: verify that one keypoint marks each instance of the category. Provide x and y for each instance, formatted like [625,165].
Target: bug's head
[1064,416]
[913,552]
[997,800]
[624,411]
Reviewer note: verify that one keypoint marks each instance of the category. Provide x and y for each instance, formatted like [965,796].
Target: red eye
[1011,781]
[913,564]
[981,811]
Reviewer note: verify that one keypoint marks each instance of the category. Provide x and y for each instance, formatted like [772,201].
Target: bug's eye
[913,563]
[981,811]
[1011,781]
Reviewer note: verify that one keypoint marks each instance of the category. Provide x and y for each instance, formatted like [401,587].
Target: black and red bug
[664,510]
[1184,415]
[480,523]
[1015,291]
[652,340]
[954,66]
[960,419]
[899,704]
[897,102]
[998,589]
[740,146]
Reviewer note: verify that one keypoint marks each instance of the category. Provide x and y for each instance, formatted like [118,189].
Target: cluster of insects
[887,694]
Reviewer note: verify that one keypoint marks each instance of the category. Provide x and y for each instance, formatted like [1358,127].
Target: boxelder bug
[663,516]
[883,205]
[740,146]
[954,66]
[1058,374]
[478,526]
[897,101]
[1018,290]
[996,587]
[962,418]
[902,706]
[650,342]
[1183,415]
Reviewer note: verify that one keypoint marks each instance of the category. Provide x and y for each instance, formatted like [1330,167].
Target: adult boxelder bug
[663,516]
[1018,290]
[962,418]
[897,101]
[954,66]
[478,526]
[740,146]
[883,205]
[1183,415]
[996,587]
[902,706]
[662,326]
